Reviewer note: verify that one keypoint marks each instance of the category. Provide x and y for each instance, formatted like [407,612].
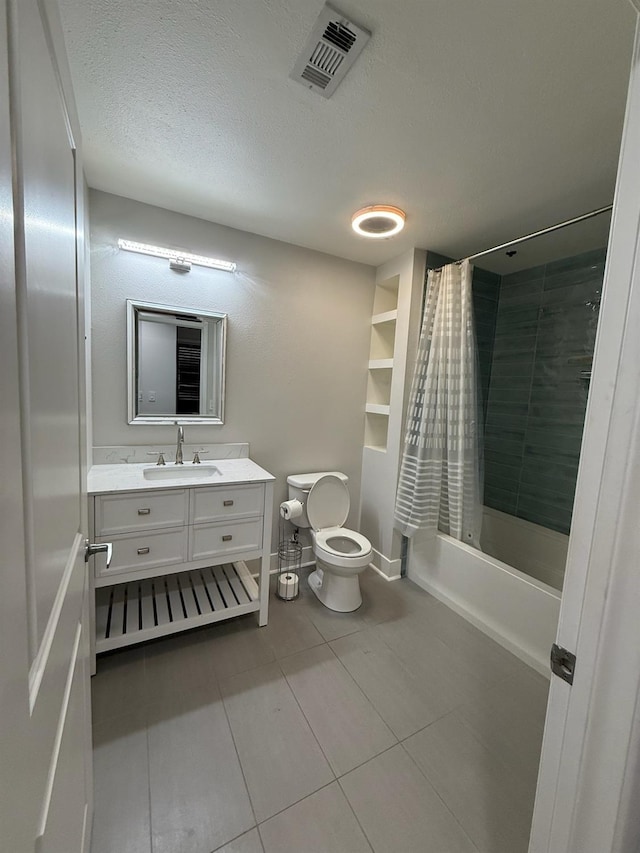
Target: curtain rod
[548,230]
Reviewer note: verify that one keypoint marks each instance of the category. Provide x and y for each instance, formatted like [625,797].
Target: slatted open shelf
[140,610]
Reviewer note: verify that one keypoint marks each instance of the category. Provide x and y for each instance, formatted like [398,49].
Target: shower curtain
[439,486]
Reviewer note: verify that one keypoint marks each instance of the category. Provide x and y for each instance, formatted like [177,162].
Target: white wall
[297,346]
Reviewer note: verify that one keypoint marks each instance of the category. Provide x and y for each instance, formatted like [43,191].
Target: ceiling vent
[330,51]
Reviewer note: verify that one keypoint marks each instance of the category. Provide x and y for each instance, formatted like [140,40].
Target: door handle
[91,548]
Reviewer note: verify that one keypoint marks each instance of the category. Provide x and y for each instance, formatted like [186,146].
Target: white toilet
[341,554]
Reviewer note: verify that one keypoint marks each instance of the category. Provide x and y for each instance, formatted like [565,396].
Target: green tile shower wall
[534,330]
[544,335]
[486,290]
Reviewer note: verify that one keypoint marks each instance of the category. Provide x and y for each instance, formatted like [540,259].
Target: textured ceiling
[483,119]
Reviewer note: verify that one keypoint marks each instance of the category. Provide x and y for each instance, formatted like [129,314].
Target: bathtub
[514,606]
[537,551]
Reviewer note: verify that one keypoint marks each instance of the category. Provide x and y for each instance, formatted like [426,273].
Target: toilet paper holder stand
[289,561]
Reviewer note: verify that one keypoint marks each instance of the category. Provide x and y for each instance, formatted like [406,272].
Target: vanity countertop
[110,479]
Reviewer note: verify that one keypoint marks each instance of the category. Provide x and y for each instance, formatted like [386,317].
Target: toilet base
[336,592]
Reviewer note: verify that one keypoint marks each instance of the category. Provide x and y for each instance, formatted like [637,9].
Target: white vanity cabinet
[179,551]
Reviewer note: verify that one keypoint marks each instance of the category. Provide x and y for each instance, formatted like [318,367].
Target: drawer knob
[227,538]
[145,511]
[227,503]
[143,550]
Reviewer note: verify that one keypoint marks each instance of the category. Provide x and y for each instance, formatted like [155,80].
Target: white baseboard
[308,560]
[382,574]
[390,570]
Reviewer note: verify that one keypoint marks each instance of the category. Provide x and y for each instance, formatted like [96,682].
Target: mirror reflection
[175,364]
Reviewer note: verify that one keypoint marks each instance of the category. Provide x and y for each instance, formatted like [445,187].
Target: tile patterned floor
[395,729]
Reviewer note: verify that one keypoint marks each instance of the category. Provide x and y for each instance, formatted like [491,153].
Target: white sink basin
[181,472]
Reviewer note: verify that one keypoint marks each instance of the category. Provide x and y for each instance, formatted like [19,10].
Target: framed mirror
[175,364]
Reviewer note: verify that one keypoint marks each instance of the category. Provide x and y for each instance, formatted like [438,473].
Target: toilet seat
[337,558]
[360,543]
[327,509]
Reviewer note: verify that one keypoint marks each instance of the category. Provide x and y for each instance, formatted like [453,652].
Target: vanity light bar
[173,255]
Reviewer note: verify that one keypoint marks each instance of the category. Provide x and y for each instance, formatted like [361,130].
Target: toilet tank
[299,485]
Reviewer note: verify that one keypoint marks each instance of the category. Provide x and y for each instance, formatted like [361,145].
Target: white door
[45,746]
[587,798]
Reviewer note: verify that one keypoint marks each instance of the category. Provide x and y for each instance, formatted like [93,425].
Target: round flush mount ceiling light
[378,220]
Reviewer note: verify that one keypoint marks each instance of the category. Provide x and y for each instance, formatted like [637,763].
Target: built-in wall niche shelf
[386,296]
[386,317]
[394,332]
[377,409]
[140,610]
[383,339]
[375,430]
[379,387]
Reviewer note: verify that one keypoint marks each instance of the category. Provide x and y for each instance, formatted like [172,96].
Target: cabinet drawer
[144,551]
[226,502]
[225,538]
[140,511]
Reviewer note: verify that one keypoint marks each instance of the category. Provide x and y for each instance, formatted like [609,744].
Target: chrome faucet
[179,443]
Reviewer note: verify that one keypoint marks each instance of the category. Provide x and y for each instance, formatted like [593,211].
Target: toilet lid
[328,503]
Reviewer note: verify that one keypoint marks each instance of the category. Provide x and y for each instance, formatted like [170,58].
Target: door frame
[587,793]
